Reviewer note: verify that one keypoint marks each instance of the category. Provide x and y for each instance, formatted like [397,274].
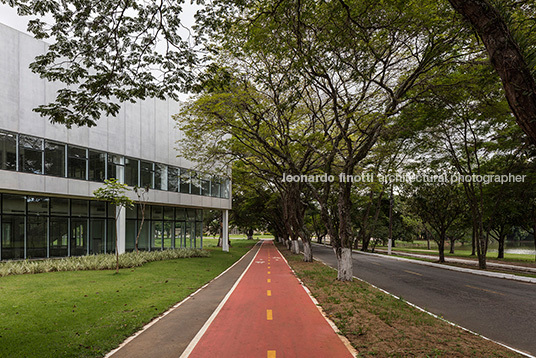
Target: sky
[9,16]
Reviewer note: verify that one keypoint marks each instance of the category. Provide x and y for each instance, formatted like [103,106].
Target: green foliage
[114,192]
[96,262]
[105,52]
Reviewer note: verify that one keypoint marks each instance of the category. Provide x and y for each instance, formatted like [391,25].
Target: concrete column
[121,230]
[225,243]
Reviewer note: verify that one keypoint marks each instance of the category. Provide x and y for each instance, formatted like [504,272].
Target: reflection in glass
[8,151]
[30,154]
[131,171]
[54,159]
[12,237]
[97,166]
[76,162]
[36,237]
[59,236]
[147,175]
[78,237]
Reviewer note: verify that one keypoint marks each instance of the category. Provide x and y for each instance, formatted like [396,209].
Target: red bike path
[268,314]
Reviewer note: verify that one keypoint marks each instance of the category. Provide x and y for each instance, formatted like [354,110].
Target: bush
[96,262]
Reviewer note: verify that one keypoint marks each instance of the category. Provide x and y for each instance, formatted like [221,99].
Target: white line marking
[203,329]
[144,328]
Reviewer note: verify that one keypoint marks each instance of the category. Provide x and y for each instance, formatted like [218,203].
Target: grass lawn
[88,313]
[379,325]
[464,254]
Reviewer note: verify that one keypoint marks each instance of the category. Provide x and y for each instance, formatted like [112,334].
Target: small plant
[114,192]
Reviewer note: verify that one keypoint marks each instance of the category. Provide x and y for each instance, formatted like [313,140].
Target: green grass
[88,313]
[462,253]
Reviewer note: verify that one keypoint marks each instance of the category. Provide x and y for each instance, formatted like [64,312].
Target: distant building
[48,173]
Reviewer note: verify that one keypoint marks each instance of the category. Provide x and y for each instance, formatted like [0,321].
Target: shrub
[96,262]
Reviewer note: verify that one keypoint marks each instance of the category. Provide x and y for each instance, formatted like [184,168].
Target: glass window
[77,162]
[30,154]
[8,151]
[146,174]
[167,234]
[157,212]
[54,159]
[98,209]
[173,179]
[215,187]
[36,237]
[59,206]
[130,239]
[37,205]
[78,237]
[79,208]
[59,236]
[205,187]
[131,171]
[179,234]
[143,241]
[185,181]
[12,237]
[156,242]
[180,214]
[169,213]
[97,166]
[199,215]
[161,179]
[110,238]
[225,188]
[97,234]
[14,204]
[195,185]
[115,166]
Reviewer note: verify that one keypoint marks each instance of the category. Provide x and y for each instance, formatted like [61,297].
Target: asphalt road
[500,309]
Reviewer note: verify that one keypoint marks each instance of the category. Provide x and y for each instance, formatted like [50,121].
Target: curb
[436,316]
[343,338]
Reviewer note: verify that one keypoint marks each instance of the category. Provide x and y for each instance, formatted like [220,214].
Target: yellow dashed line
[268,272]
[269,280]
[269,316]
[413,273]
[269,293]
[483,289]
[271,354]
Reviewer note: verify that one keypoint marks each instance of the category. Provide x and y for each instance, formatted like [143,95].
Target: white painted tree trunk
[307,251]
[295,248]
[344,264]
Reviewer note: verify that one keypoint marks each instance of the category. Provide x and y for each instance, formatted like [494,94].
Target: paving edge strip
[148,325]
[436,316]
[203,329]
[343,338]
[506,276]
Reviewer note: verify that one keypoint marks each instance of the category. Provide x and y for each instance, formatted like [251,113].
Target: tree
[142,200]
[439,205]
[512,61]
[114,192]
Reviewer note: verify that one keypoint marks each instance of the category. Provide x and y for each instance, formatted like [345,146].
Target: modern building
[48,173]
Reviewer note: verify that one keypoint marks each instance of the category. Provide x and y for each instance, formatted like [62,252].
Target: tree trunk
[441,248]
[295,247]
[473,242]
[507,59]
[366,243]
[307,251]
[500,254]
[344,263]
[452,242]
[249,234]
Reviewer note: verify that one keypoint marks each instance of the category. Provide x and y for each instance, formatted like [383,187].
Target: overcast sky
[9,16]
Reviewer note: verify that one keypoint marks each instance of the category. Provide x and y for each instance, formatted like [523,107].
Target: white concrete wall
[142,130]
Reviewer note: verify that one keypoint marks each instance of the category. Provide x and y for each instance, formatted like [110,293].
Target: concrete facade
[143,131]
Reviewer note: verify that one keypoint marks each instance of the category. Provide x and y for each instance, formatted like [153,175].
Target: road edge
[528,355]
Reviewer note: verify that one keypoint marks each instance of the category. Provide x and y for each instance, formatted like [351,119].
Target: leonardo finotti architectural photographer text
[405,178]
